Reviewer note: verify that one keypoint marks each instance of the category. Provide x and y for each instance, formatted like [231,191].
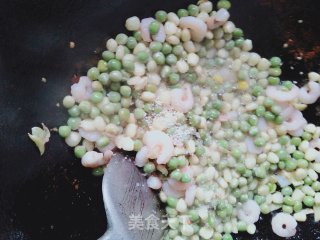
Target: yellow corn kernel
[218,78]
[243,85]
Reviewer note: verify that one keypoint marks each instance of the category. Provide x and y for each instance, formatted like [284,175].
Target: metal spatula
[132,209]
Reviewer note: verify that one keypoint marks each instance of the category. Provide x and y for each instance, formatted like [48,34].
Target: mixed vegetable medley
[217,132]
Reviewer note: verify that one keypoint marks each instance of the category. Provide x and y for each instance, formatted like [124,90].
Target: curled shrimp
[182,99]
[169,191]
[310,93]
[81,90]
[158,145]
[197,27]
[218,19]
[282,96]
[295,121]
[145,33]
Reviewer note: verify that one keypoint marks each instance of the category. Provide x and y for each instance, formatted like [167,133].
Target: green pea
[298,154]
[286,191]
[283,140]
[307,181]
[174,78]
[260,111]
[296,141]
[114,97]
[222,213]
[137,36]
[308,201]
[178,50]
[257,91]
[236,153]
[96,97]
[260,172]
[128,65]
[159,58]
[237,33]
[217,236]
[253,120]
[275,72]
[193,10]
[121,39]
[275,62]
[93,73]
[79,151]
[191,77]
[131,43]
[272,187]
[64,131]
[143,56]
[244,198]
[107,55]
[102,142]
[242,226]
[185,178]
[291,165]
[155,46]
[281,165]
[172,202]
[269,116]
[279,120]
[230,45]
[273,80]
[273,167]
[139,113]
[114,64]
[297,207]
[288,201]
[176,175]
[161,16]
[107,109]
[124,114]
[98,172]
[287,209]
[227,236]
[223,143]
[171,59]
[182,13]
[306,136]
[276,109]
[287,84]
[259,142]
[254,131]
[154,27]
[316,186]
[125,91]
[85,107]
[115,76]
[74,111]
[173,163]
[200,151]
[74,123]
[149,168]
[166,49]
[104,78]
[239,42]
[102,66]
[137,145]
[282,154]
[260,199]
[212,114]
[268,102]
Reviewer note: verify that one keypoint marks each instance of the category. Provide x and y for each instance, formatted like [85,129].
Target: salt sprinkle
[43,80]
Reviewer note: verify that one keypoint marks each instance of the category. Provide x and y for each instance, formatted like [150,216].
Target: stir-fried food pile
[218,134]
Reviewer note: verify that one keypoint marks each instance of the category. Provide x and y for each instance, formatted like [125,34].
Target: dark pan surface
[53,197]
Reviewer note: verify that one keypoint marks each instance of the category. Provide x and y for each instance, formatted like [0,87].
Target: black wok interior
[53,196]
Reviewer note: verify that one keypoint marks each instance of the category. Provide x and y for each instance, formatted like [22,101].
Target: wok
[54,197]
